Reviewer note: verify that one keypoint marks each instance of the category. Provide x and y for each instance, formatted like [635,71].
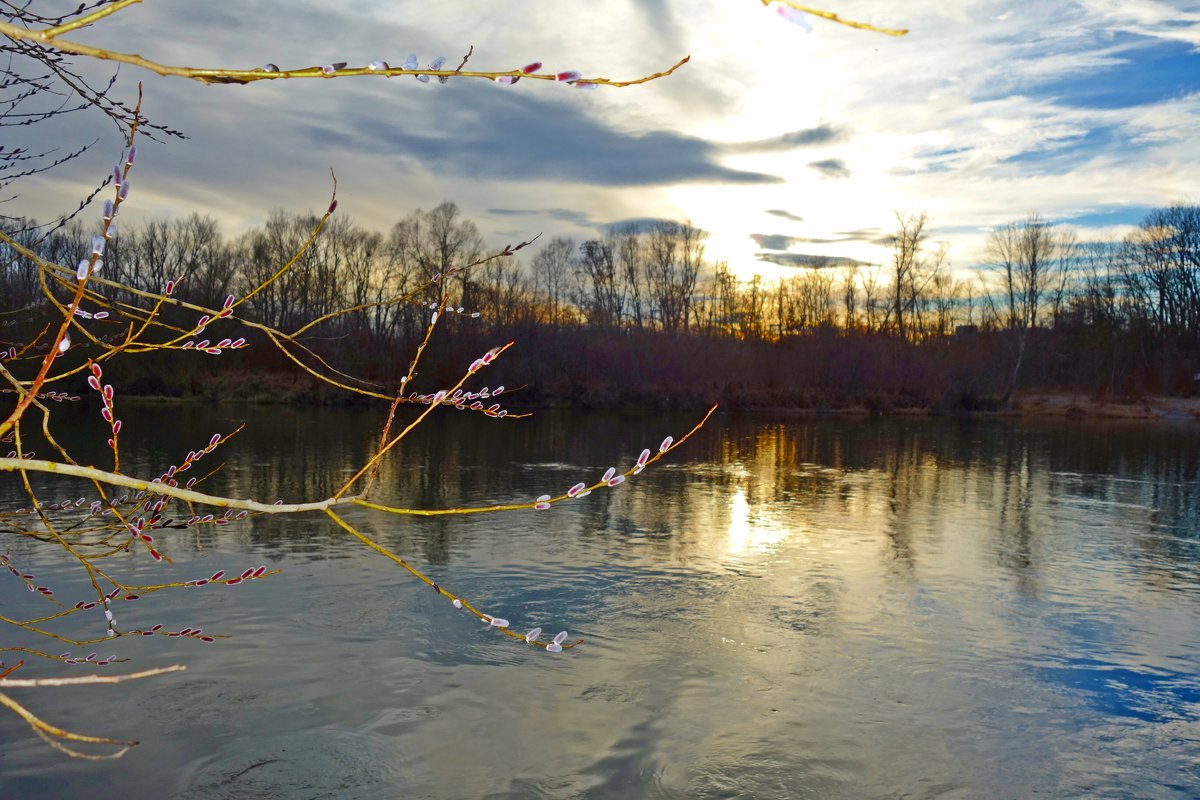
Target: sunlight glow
[748,535]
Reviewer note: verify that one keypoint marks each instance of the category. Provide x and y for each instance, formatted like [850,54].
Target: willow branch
[832,17]
[87,680]
[458,601]
[51,37]
[189,495]
[52,734]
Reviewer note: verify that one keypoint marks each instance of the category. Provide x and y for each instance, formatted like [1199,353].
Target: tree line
[1046,311]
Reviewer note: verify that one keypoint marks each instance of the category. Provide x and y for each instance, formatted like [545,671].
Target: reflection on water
[787,608]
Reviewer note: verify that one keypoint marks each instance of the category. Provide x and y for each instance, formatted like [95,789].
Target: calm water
[788,608]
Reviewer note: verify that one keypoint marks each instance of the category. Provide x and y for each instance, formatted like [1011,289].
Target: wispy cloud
[989,109]
[779,241]
[808,137]
[639,224]
[546,144]
[811,260]
[572,216]
[870,235]
[831,167]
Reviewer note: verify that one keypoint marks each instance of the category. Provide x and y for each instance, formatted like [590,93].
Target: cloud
[779,241]
[639,224]
[1150,18]
[808,260]
[579,218]
[497,133]
[582,220]
[831,168]
[868,235]
[779,212]
[807,137]
[773,241]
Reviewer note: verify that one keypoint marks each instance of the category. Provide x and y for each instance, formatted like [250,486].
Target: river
[784,608]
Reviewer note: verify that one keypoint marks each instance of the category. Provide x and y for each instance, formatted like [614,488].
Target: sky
[783,143]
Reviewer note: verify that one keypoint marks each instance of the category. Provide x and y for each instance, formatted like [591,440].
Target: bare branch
[87,680]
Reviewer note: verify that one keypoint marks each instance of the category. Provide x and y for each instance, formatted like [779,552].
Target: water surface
[787,608]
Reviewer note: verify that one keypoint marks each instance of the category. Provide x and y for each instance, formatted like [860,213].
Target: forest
[1046,312]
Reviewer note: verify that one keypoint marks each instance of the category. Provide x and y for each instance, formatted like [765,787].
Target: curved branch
[832,17]
[51,38]
[87,680]
[52,734]
[192,496]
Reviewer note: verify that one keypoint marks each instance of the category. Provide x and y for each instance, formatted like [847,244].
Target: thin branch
[191,496]
[466,58]
[52,734]
[50,37]
[87,680]
[832,17]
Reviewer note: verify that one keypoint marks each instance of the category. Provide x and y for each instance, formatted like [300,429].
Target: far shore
[1036,405]
[1025,405]
[1088,407]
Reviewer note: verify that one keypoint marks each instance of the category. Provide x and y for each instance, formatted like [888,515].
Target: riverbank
[1027,405]
[1085,407]
[270,389]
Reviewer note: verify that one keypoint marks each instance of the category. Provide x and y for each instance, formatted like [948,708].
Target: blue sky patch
[1111,215]
[1068,154]
[1148,74]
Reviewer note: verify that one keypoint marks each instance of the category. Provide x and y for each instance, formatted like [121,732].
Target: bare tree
[1161,266]
[907,245]
[945,293]
[552,267]
[436,241]
[1028,257]
[873,299]
[284,302]
[599,287]
[432,243]
[753,308]
[503,288]
[1097,302]
[360,254]
[675,251]
[723,313]
[928,315]
[850,300]
[627,248]
[813,298]
[1098,307]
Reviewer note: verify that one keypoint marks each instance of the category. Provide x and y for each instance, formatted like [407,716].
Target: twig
[832,17]
[87,680]
[463,63]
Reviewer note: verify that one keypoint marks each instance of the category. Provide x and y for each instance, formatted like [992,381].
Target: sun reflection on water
[751,532]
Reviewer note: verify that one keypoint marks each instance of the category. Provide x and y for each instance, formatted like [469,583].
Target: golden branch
[55,735]
[52,38]
[87,680]
[832,17]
